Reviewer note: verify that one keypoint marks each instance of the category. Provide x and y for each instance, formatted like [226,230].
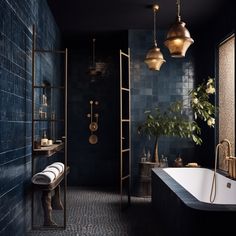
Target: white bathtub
[181,196]
[198,182]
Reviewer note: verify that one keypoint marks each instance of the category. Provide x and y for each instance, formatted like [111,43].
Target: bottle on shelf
[149,158]
[42,113]
[44,134]
[166,162]
[44,140]
[144,156]
[37,144]
[178,161]
[44,100]
[41,116]
[163,161]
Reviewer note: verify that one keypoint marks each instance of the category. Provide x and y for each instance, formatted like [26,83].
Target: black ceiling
[107,15]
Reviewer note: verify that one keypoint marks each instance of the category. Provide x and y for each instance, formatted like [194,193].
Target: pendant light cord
[154,26]
[94,52]
[178,10]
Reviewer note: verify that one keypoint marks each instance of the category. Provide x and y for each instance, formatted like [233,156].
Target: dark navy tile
[17,18]
[156,89]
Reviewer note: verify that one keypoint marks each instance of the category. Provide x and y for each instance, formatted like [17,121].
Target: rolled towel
[59,166]
[52,169]
[45,177]
[49,174]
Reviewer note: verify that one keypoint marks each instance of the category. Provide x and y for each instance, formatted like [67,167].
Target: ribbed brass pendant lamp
[154,58]
[178,37]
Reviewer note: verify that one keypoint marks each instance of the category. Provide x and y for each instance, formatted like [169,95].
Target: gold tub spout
[229,154]
[231,160]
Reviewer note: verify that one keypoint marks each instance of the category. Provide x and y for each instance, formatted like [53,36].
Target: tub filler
[182,198]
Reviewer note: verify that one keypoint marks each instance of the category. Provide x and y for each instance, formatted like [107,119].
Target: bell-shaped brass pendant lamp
[154,58]
[96,69]
[178,37]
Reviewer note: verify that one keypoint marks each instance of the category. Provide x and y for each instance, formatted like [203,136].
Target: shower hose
[213,185]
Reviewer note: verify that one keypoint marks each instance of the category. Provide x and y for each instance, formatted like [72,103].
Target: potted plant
[173,120]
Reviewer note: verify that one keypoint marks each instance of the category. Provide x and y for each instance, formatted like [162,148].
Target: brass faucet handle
[232,167]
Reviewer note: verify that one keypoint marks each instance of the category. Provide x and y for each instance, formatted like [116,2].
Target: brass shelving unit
[45,152]
[49,151]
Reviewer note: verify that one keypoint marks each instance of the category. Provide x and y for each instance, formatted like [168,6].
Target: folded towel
[49,174]
[52,169]
[59,166]
[45,177]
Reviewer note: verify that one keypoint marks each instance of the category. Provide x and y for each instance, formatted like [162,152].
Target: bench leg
[56,199]
[47,209]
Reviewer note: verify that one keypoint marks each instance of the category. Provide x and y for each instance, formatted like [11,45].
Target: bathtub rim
[187,198]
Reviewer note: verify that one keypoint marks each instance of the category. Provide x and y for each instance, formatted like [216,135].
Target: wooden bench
[49,202]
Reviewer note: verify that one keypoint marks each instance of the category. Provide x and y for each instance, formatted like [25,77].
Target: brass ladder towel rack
[125,129]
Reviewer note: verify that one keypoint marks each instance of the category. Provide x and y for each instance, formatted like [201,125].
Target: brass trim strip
[121,133]
[227,39]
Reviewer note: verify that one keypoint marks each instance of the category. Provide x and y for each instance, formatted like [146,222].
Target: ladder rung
[125,177]
[125,89]
[124,54]
[125,120]
[126,150]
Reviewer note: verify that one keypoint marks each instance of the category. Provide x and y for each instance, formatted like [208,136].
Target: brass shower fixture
[93,126]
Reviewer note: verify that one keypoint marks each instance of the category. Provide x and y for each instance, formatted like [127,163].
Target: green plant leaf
[173,121]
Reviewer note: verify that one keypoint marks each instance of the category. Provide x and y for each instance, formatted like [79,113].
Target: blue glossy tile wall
[157,88]
[17,18]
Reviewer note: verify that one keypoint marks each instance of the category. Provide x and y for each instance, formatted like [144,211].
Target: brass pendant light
[154,58]
[178,37]
[96,69]
[92,68]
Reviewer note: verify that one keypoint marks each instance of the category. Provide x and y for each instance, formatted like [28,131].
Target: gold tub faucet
[231,160]
[229,154]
